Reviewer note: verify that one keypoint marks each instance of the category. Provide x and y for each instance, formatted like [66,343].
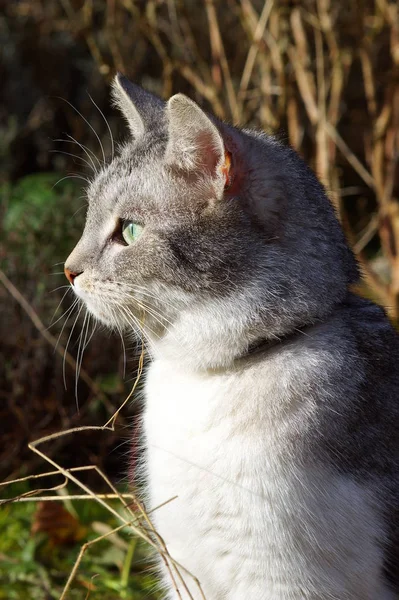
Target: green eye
[131,231]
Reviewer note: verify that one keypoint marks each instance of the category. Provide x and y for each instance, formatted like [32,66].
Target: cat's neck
[206,340]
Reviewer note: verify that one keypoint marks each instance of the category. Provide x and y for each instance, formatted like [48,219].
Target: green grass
[33,566]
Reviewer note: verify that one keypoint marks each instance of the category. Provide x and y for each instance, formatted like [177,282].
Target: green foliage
[32,567]
[37,222]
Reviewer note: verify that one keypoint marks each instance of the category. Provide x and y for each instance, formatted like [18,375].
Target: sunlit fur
[271,403]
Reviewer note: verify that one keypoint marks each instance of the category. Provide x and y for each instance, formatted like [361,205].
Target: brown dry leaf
[61,527]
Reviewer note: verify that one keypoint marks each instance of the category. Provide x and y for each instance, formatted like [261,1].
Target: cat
[271,401]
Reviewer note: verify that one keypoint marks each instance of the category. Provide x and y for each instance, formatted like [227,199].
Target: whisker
[85,149]
[136,325]
[79,209]
[139,325]
[92,331]
[119,330]
[129,315]
[64,314]
[67,344]
[60,287]
[138,290]
[79,360]
[145,292]
[60,302]
[145,341]
[124,354]
[89,124]
[73,155]
[79,341]
[71,176]
[123,347]
[144,307]
[151,311]
[107,124]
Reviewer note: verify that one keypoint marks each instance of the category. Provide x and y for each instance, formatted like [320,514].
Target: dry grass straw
[133,514]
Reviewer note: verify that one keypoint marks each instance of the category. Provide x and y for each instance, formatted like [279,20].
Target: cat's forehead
[130,158]
[136,184]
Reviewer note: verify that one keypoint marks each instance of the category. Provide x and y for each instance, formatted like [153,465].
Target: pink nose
[70,275]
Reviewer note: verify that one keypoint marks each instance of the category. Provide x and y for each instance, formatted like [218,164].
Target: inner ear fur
[142,110]
[194,143]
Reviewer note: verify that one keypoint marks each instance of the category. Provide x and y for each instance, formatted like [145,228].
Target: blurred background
[322,75]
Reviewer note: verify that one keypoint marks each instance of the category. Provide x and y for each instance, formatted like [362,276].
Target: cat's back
[377,341]
[372,451]
[372,445]
[345,373]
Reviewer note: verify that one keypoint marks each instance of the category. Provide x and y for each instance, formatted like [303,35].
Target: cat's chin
[101,315]
[98,309]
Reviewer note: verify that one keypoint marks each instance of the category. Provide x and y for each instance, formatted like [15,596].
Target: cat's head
[206,237]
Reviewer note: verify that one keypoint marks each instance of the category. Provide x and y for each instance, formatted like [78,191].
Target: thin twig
[254,48]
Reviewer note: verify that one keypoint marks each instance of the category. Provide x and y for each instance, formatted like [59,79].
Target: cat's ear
[141,109]
[195,143]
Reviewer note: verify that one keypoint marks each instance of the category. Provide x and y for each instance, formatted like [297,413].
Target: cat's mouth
[99,307]
[118,307]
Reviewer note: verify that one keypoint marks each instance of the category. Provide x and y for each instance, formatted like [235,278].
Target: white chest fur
[249,521]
